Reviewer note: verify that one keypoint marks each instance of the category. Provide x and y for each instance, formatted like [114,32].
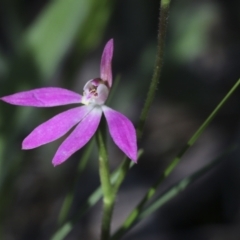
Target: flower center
[95,91]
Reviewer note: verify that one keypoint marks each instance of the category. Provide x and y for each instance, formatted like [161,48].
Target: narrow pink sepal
[43,97]
[106,63]
[122,132]
[54,128]
[79,137]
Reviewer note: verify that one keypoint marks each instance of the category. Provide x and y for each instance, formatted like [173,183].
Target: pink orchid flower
[87,117]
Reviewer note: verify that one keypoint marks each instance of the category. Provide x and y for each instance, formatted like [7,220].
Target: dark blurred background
[59,43]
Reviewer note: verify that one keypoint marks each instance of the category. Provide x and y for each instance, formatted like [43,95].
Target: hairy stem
[164,11]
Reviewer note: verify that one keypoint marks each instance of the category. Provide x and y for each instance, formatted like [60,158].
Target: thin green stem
[152,190]
[164,11]
[108,199]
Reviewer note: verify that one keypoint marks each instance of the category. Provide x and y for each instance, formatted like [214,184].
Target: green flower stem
[164,12]
[137,211]
[108,198]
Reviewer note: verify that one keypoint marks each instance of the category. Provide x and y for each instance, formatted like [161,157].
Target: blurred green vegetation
[59,43]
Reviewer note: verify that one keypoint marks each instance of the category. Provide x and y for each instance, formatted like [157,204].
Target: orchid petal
[79,137]
[106,63]
[43,97]
[55,127]
[122,132]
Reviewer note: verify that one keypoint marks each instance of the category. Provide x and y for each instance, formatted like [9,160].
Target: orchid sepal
[106,63]
[43,97]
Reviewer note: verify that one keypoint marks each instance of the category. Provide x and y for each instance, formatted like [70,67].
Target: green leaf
[53,32]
